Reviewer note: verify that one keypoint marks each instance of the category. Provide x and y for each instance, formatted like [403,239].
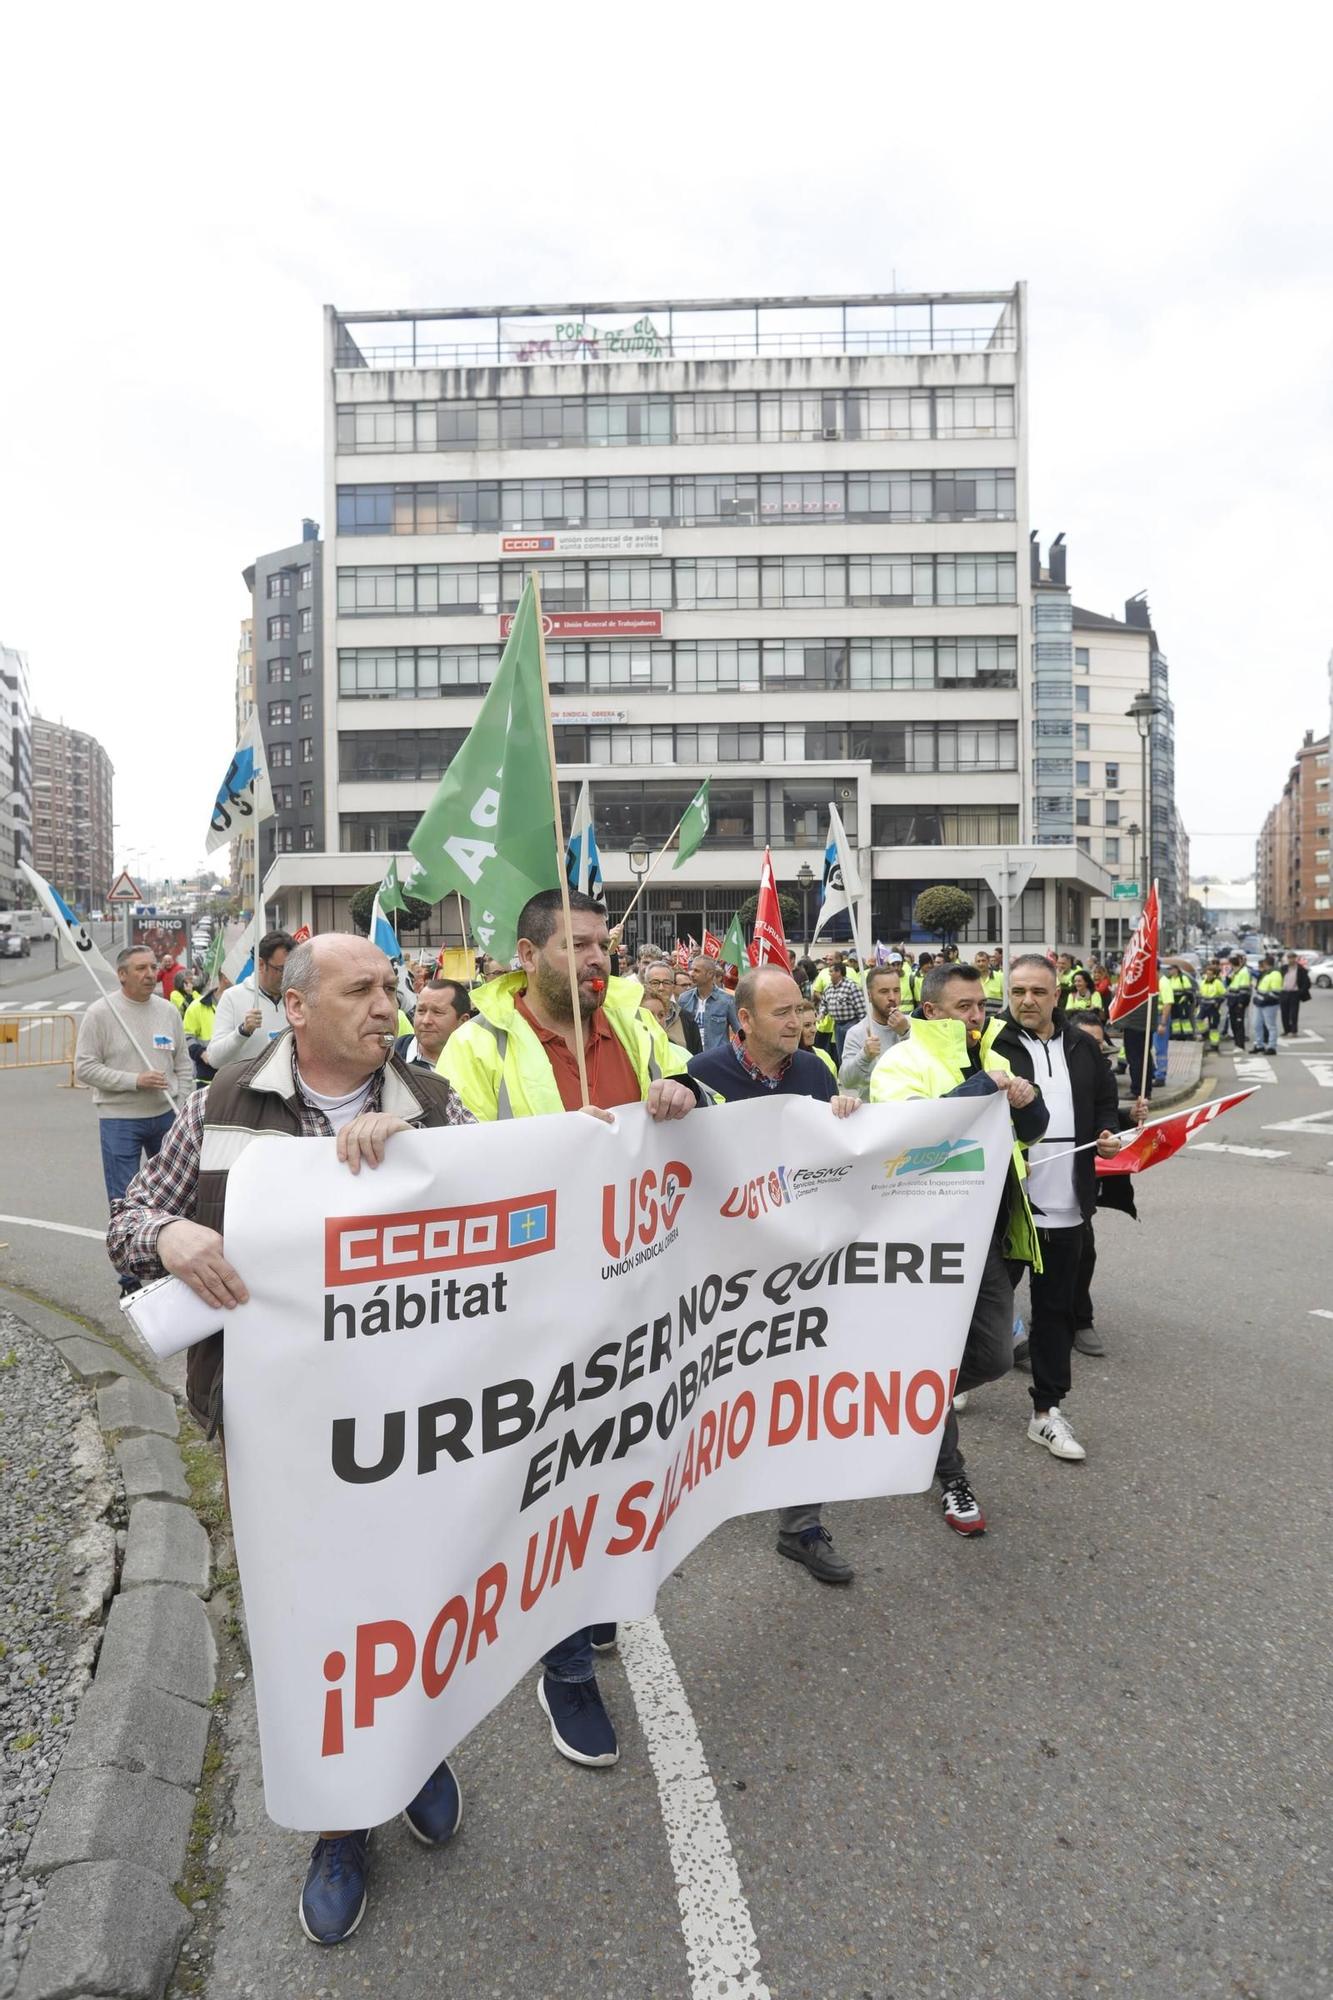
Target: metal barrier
[39,1041]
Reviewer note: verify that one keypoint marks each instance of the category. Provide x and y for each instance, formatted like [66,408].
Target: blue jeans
[571,1660]
[125,1141]
[1263,1022]
[1161,1049]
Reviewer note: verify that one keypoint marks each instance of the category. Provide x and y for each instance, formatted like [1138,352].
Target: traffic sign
[124,890]
[1125,892]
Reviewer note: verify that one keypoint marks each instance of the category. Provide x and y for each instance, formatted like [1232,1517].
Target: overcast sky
[183,189]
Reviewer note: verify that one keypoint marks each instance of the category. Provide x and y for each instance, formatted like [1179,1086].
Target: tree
[410,919]
[944,911]
[790,908]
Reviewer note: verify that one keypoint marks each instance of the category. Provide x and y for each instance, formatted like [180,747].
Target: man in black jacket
[1080,1095]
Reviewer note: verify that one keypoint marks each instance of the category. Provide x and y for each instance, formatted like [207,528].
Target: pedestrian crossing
[42,1007]
[1254,1069]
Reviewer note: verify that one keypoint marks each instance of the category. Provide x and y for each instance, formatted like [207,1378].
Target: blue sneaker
[436,1813]
[603,1638]
[333,1898]
[581,1729]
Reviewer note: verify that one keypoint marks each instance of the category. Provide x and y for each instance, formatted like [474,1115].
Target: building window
[307,750]
[307,707]
[1112,812]
[307,618]
[303,662]
[1081,661]
[280,626]
[1112,848]
[285,842]
[280,584]
[1082,773]
[307,576]
[1083,812]
[1083,844]
[282,797]
[1081,700]
[280,756]
[1113,777]
[279,714]
[279,670]
[308,839]
[307,797]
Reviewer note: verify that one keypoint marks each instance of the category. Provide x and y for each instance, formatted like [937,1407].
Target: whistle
[597,985]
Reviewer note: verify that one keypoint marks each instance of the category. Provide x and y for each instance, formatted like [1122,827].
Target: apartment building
[72,813]
[287,687]
[782,544]
[1295,902]
[15,778]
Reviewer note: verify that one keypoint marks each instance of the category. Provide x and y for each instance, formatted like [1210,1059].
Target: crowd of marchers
[329,1040]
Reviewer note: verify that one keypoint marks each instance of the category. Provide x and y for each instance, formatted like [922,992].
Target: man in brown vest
[333,1074]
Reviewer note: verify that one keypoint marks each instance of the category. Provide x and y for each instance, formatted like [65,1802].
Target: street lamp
[1142,710]
[805,882]
[1133,830]
[639,862]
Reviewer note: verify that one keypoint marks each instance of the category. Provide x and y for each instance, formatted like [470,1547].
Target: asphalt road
[1086,1754]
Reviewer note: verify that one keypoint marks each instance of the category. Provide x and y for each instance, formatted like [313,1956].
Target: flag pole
[1147,1019]
[1184,1111]
[462,932]
[561,876]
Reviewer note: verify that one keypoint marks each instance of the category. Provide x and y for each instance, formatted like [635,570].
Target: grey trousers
[988,1354]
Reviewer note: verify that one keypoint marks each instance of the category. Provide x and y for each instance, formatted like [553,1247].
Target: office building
[1116,663]
[72,813]
[1295,905]
[287,688]
[783,544]
[15,778]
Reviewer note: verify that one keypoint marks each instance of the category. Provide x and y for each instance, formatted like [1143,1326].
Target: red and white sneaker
[961,1510]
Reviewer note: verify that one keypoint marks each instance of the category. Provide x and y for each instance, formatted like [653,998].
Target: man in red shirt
[517,1058]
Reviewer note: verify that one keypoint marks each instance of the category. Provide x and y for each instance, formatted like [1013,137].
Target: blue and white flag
[72,939]
[382,934]
[582,865]
[245,795]
[239,964]
[841,884]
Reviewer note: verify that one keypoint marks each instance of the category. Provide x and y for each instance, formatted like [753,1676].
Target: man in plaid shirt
[332,1075]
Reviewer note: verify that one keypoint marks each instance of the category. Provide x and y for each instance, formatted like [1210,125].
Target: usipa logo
[651,1207]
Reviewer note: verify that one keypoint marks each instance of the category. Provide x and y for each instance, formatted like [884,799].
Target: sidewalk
[1184,1071]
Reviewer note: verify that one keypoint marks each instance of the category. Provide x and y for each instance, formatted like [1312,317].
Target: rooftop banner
[515,1375]
[579,340]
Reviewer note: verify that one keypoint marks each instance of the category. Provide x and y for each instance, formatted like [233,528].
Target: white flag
[72,939]
[245,795]
[841,884]
[582,864]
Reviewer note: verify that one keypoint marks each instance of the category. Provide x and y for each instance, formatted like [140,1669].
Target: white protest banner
[496,1389]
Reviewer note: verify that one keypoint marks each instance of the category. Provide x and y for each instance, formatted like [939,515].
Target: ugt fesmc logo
[637,1224]
[363,1249]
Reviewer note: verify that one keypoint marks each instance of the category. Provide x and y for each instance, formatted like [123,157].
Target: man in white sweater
[883,1025]
[250,1017]
[132,1053]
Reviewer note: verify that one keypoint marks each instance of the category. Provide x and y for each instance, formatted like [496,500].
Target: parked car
[1320,971]
[13,944]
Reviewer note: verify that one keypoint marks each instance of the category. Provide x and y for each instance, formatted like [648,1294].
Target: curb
[114,1830]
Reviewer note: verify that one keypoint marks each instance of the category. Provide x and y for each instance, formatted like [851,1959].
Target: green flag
[217,951]
[733,946]
[391,889]
[489,832]
[694,825]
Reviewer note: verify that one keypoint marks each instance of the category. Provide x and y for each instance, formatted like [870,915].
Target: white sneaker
[960,1400]
[1053,1431]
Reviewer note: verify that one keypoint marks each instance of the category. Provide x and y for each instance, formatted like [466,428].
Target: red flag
[1138,970]
[299,937]
[712,946]
[770,944]
[1166,1136]
[681,955]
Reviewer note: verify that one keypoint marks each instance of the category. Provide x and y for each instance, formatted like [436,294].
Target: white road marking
[1250,1152]
[1254,1069]
[71,1006]
[1314,1125]
[1320,1312]
[1320,1068]
[62,1228]
[720,1943]
[1309,1035]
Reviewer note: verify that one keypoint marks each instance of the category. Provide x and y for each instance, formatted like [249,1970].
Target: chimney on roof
[309,529]
[1137,613]
[1055,558]
[1034,559]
